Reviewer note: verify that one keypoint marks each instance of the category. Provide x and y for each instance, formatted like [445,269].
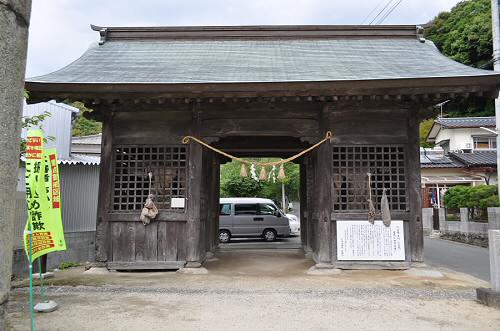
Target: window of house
[485,142]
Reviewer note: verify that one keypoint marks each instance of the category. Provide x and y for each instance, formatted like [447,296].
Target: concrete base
[95,264]
[46,275]
[193,265]
[324,266]
[96,271]
[488,297]
[193,271]
[315,271]
[424,273]
[46,307]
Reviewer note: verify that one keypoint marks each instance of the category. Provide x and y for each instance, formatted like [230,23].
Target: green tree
[464,34]
[476,198]
[425,127]
[84,126]
[233,185]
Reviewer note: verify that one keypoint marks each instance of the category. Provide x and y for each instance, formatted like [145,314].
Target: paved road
[464,258]
[291,242]
[459,257]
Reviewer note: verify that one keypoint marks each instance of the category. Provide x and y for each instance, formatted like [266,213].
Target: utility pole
[284,207]
[14,24]
[495,19]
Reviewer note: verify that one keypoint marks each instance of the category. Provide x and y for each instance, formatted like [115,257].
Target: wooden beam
[324,169]
[414,185]
[103,238]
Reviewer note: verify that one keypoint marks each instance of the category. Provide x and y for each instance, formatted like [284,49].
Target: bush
[476,198]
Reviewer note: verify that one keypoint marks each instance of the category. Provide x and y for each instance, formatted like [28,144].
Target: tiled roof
[443,162]
[476,159]
[467,122]
[155,58]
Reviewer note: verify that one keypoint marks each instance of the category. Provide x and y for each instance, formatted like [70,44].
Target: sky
[60,29]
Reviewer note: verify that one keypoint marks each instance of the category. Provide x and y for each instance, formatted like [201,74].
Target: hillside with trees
[464,34]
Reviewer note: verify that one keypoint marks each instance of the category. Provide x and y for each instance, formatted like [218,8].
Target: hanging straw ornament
[281,173]
[243,171]
[253,172]
[371,208]
[271,177]
[384,208]
[263,174]
[149,211]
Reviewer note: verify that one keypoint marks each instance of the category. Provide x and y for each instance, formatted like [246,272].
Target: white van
[251,217]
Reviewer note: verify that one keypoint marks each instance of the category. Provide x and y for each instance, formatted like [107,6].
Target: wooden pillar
[303,204]
[310,197]
[215,201]
[414,184]
[324,168]
[103,240]
[194,196]
[324,185]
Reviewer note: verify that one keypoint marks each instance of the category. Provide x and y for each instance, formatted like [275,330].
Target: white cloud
[60,30]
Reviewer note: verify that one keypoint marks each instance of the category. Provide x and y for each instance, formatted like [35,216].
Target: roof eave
[489,84]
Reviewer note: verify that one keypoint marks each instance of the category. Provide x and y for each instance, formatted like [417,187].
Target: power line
[380,12]
[389,12]
[373,10]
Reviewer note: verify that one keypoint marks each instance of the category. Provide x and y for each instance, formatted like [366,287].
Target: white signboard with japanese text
[363,241]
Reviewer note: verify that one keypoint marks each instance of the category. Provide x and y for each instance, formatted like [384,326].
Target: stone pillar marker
[491,297]
[494,243]
[14,23]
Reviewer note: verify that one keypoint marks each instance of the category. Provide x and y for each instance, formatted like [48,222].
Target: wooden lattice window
[131,165]
[351,164]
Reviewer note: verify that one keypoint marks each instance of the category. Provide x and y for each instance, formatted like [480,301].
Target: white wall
[460,137]
[58,125]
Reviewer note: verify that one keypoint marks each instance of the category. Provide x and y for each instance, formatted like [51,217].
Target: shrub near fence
[476,198]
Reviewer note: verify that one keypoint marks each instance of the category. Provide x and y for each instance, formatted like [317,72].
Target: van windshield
[267,209]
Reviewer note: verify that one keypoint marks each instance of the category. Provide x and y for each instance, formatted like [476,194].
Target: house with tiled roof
[465,153]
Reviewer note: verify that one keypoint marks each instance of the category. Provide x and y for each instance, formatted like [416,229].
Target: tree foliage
[82,125]
[472,197]
[465,35]
[232,185]
[425,127]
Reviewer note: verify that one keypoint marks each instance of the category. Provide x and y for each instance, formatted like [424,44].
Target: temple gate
[260,91]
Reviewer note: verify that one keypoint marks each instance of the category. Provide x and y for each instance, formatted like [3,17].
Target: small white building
[465,154]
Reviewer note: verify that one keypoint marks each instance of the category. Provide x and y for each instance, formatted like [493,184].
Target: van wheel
[224,236]
[269,235]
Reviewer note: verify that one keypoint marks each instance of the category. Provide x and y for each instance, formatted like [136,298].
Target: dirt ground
[252,289]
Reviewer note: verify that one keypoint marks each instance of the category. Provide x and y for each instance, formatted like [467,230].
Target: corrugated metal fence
[79,187]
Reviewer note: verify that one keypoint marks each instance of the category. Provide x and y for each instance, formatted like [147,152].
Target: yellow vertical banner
[43,198]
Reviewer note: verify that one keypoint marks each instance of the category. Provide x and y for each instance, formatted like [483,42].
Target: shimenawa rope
[187,139]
